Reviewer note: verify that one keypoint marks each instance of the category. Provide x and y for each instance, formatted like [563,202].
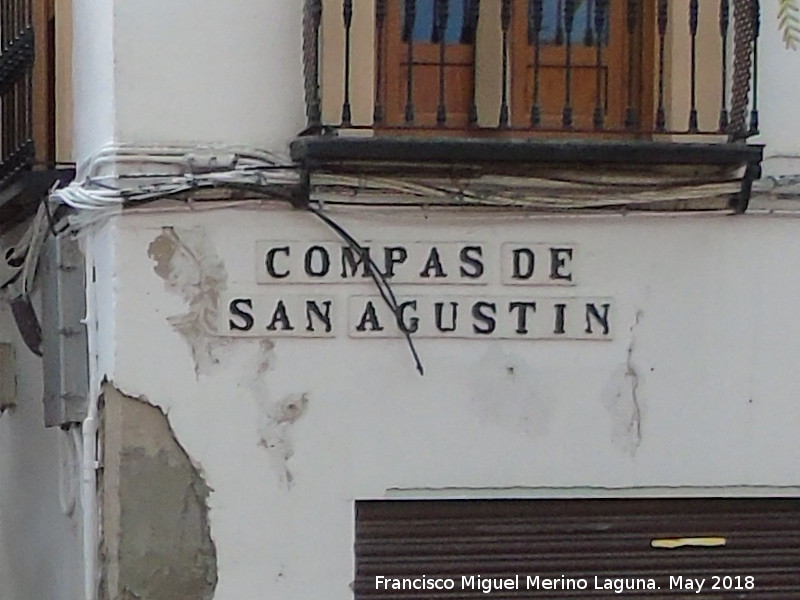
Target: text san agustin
[439,287]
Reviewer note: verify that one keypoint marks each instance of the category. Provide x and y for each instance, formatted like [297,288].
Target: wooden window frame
[520,52]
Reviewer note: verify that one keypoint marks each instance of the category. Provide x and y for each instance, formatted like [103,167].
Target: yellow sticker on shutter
[706,542]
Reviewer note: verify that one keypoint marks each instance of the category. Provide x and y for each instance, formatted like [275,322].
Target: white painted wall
[712,361]
[779,88]
[40,545]
[190,72]
[207,72]
[93,76]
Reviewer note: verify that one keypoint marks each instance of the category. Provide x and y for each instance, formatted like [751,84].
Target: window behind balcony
[424,37]
[569,63]
[434,47]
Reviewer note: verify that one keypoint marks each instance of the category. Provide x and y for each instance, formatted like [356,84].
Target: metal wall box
[64,342]
[8,378]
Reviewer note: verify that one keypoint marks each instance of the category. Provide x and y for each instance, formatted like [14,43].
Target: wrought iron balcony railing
[642,69]
[27,109]
[16,87]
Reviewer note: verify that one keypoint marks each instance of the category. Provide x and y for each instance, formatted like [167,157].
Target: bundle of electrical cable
[120,175]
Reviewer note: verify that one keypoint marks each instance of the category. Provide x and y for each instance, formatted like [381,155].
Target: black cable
[378,278]
[105,186]
[51,223]
[380,281]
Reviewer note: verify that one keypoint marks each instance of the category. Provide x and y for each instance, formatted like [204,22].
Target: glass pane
[553,22]
[426,17]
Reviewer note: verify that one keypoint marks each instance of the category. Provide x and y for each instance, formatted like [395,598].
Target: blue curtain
[552,20]
[426,15]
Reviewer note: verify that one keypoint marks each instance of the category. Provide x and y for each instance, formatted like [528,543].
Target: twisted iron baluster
[559,23]
[312,19]
[663,21]
[631,117]
[440,33]
[724,25]
[743,35]
[535,14]
[472,17]
[505,19]
[693,21]
[347,18]
[569,19]
[28,24]
[600,28]
[380,30]
[754,120]
[588,35]
[408,36]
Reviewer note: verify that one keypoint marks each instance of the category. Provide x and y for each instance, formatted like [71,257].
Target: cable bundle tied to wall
[19,273]
[121,176]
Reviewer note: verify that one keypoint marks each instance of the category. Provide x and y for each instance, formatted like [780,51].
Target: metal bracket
[740,201]
[302,195]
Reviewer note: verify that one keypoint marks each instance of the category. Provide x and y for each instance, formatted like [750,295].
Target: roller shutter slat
[578,538]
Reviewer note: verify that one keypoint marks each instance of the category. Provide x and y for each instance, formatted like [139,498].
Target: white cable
[120,175]
[38,235]
[193,168]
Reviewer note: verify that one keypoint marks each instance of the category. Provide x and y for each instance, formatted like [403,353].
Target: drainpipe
[89,434]
[89,501]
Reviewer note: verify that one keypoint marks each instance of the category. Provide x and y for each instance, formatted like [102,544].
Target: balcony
[523,87]
[27,109]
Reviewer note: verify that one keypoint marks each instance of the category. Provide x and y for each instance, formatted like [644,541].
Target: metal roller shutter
[566,540]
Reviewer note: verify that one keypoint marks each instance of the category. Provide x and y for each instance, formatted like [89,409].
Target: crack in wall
[635,425]
[623,399]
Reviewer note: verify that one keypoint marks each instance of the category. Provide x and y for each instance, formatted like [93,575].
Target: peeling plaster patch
[190,268]
[509,393]
[249,361]
[274,429]
[624,402]
[188,263]
[275,434]
[162,546]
